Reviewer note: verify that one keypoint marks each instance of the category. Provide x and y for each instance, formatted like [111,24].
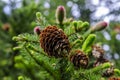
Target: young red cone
[37,30]
[99,26]
[60,14]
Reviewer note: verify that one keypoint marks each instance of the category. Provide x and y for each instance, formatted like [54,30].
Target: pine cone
[79,59]
[54,42]
[97,51]
[100,61]
[6,27]
[114,78]
[109,72]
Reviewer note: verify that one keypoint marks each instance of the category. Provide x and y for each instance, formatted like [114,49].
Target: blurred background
[18,16]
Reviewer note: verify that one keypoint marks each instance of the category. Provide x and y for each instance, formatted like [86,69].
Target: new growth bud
[38,14]
[60,14]
[37,30]
[20,78]
[79,25]
[117,71]
[88,42]
[99,26]
[75,23]
[85,24]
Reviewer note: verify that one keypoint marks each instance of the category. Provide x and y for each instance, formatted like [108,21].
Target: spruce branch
[34,49]
[41,21]
[67,48]
[101,67]
[21,63]
[76,43]
[65,74]
[44,65]
[18,38]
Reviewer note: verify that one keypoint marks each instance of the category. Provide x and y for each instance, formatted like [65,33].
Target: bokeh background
[18,16]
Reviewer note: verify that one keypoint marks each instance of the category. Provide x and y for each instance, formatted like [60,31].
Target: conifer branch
[44,65]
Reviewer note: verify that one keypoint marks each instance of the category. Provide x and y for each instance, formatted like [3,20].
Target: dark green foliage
[22,58]
[21,20]
[58,68]
[33,59]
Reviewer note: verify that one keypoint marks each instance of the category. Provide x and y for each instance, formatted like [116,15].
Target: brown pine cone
[6,27]
[100,61]
[114,78]
[109,72]
[79,59]
[97,51]
[54,42]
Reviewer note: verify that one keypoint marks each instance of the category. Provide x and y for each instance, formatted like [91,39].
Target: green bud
[85,25]
[33,24]
[18,58]
[106,65]
[80,22]
[17,48]
[20,78]
[74,23]
[38,14]
[117,71]
[60,14]
[19,65]
[88,42]
[15,38]
[79,25]
[99,26]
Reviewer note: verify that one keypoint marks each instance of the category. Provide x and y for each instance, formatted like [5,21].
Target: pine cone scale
[79,59]
[54,42]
